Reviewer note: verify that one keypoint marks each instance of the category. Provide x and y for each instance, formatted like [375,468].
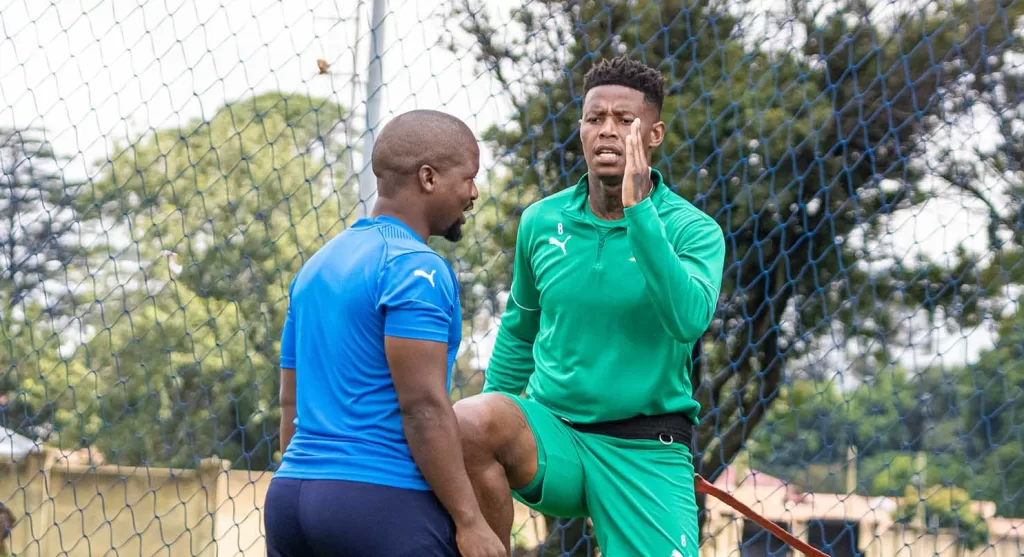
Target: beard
[454,232]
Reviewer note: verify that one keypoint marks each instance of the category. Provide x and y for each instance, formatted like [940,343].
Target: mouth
[465,212]
[607,154]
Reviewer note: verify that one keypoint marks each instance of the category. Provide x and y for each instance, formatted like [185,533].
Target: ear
[656,135]
[427,178]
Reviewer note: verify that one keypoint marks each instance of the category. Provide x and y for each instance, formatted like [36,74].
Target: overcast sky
[90,72]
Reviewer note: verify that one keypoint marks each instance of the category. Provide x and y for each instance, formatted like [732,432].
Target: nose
[473,192]
[609,130]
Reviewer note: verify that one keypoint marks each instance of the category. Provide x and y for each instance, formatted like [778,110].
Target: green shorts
[638,493]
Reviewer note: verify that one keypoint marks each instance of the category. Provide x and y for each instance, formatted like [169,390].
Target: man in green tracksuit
[614,280]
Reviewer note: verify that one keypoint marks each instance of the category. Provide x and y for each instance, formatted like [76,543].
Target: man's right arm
[512,362]
[417,296]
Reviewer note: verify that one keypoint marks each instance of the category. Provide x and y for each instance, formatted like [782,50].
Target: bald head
[415,139]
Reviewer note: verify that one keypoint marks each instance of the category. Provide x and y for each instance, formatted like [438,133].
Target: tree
[176,380]
[992,177]
[945,507]
[965,428]
[38,222]
[41,258]
[220,214]
[992,392]
[891,421]
[800,154]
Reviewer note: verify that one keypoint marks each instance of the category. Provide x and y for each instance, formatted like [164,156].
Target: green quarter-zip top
[602,315]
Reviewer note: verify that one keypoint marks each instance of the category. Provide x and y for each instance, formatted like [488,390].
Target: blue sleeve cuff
[288,334]
[419,321]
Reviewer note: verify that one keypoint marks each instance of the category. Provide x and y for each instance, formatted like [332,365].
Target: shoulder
[684,220]
[550,206]
[545,211]
[407,261]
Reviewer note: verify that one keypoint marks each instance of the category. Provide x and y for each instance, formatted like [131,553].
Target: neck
[605,199]
[386,207]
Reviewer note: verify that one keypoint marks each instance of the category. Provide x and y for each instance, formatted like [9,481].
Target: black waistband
[667,428]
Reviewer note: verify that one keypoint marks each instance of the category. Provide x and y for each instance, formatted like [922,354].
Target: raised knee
[477,423]
[496,437]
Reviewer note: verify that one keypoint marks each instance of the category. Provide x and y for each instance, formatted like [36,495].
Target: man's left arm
[684,280]
[286,393]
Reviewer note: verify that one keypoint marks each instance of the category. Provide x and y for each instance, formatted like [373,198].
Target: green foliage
[999,477]
[35,381]
[176,378]
[992,395]
[946,507]
[220,214]
[41,262]
[888,474]
[798,158]
[887,419]
[965,425]
[38,222]
[994,390]
[801,156]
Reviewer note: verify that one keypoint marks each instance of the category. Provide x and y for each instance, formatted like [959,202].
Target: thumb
[630,145]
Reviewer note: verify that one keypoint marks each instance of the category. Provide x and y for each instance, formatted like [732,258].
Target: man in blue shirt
[372,461]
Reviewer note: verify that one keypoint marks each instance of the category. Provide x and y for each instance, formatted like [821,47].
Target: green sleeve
[511,361]
[683,280]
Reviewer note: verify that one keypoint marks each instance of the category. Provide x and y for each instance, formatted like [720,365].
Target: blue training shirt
[374,279]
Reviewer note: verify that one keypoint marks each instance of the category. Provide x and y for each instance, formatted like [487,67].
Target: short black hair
[627,73]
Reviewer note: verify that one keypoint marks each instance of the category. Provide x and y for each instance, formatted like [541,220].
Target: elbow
[286,396]
[425,409]
[287,399]
[688,334]
[689,327]
[691,315]
[517,332]
[425,419]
